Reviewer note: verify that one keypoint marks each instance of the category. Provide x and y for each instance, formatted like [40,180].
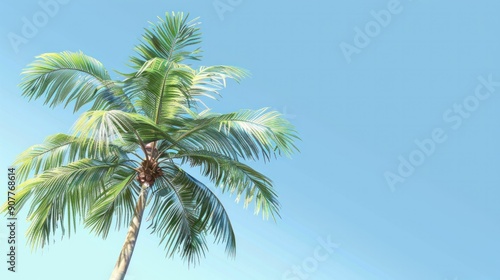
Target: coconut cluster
[148,172]
[149,169]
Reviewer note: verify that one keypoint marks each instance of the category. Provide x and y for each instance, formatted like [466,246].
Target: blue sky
[404,90]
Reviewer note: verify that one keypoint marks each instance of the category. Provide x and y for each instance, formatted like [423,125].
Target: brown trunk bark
[133,231]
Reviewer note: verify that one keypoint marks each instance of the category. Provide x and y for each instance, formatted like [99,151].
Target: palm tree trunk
[133,231]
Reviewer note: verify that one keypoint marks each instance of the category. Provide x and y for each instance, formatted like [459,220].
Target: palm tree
[127,152]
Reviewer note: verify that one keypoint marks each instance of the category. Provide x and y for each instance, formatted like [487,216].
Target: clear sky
[396,103]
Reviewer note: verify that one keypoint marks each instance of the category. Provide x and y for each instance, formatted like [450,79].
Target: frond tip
[246,134]
[169,38]
[235,177]
[62,78]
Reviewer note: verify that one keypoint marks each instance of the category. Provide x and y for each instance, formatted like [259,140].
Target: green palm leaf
[58,150]
[236,177]
[169,39]
[207,81]
[115,204]
[104,128]
[249,134]
[62,78]
[62,194]
[212,216]
[160,85]
[195,211]
[175,218]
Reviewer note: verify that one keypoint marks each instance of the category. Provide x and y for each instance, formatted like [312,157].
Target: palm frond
[212,216]
[106,127]
[159,87]
[169,38]
[247,133]
[207,81]
[62,195]
[166,91]
[62,78]
[236,177]
[58,150]
[175,219]
[116,203]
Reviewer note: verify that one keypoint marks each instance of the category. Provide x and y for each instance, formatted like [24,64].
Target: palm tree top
[137,137]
